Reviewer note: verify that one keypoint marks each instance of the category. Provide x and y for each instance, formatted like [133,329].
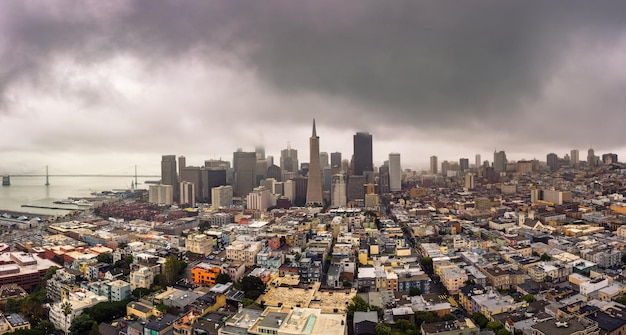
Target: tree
[357,305]
[447,317]
[382,329]
[82,324]
[405,326]
[107,311]
[480,319]
[424,317]
[252,287]
[494,325]
[32,310]
[621,299]
[67,309]
[50,272]
[545,257]
[171,270]
[413,291]
[503,332]
[223,278]
[105,257]
[427,263]
[528,298]
[247,302]
[94,329]
[297,256]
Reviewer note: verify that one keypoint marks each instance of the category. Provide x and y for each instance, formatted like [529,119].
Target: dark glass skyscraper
[169,175]
[362,154]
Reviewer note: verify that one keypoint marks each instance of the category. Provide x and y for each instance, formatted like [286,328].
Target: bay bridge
[126,172]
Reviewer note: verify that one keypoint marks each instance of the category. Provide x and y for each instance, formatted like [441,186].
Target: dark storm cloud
[505,67]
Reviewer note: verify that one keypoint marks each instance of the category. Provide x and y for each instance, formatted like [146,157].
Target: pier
[52,207]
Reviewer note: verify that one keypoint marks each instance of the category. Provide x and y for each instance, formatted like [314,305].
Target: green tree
[480,319]
[297,256]
[94,329]
[223,278]
[105,257]
[67,309]
[171,270]
[247,302]
[528,298]
[545,257]
[107,311]
[427,263]
[503,332]
[382,329]
[252,287]
[405,326]
[447,317]
[494,325]
[32,310]
[45,327]
[82,324]
[50,272]
[357,305]
[413,291]
[424,317]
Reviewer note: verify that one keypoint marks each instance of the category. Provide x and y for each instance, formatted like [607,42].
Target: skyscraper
[169,175]
[464,164]
[591,157]
[289,160]
[433,165]
[553,161]
[499,161]
[335,162]
[182,163]
[338,192]
[362,160]
[574,157]
[245,168]
[324,159]
[477,160]
[395,172]
[314,184]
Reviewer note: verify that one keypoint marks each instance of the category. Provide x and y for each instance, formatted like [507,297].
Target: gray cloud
[526,76]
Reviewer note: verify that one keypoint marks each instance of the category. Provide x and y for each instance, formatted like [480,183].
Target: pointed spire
[314,132]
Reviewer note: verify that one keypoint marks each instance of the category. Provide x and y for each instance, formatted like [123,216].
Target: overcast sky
[99,86]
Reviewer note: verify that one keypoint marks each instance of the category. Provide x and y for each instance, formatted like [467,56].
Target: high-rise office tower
[324,159]
[187,193]
[222,196]
[553,161]
[169,175]
[193,175]
[161,194]
[314,184]
[395,172]
[356,188]
[338,192]
[469,181]
[273,171]
[260,152]
[609,158]
[574,157]
[335,162]
[212,177]
[464,164]
[326,178]
[383,179]
[433,165]
[362,160]
[591,157]
[182,163]
[245,168]
[477,160]
[499,161]
[289,160]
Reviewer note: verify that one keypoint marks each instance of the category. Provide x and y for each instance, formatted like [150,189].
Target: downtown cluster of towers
[553,162]
[326,180]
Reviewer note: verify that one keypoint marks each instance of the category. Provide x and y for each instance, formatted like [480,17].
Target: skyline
[101,87]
